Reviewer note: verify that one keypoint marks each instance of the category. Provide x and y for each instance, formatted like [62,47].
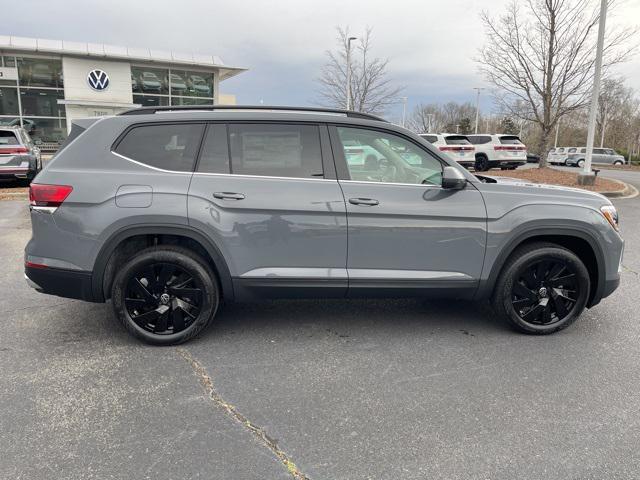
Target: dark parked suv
[169,211]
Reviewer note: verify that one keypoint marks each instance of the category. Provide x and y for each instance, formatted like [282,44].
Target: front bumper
[60,282]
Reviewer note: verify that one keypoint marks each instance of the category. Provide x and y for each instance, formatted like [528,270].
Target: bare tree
[371,89]
[541,57]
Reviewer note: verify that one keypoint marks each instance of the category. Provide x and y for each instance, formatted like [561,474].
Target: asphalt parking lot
[402,389]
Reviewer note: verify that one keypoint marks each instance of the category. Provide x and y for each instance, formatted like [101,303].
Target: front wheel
[617,163]
[165,295]
[580,163]
[543,288]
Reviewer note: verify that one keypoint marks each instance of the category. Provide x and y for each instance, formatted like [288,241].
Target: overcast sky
[430,44]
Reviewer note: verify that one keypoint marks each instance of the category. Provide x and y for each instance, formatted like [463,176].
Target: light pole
[349,71]
[457,128]
[555,145]
[604,126]
[429,119]
[586,177]
[477,105]
[404,109]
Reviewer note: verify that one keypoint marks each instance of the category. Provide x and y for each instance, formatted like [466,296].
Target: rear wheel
[165,295]
[543,288]
[482,163]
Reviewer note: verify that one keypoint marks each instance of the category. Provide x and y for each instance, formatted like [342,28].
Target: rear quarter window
[457,140]
[165,146]
[8,137]
[430,138]
[510,140]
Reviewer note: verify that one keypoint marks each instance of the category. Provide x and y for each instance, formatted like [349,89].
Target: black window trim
[341,161]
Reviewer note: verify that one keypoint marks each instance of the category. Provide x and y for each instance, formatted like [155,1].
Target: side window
[276,150]
[375,156]
[166,146]
[214,157]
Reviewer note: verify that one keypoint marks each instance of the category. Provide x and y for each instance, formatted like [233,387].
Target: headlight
[611,214]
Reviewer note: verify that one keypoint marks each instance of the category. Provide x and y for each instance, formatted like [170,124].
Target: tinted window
[510,140]
[280,150]
[572,150]
[457,140]
[479,139]
[8,137]
[430,138]
[167,146]
[598,151]
[385,157]
[215,151]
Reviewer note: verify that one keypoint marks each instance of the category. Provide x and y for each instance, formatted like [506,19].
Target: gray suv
[170,211]
[600,156]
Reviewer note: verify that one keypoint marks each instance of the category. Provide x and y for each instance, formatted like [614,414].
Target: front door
[267,196]
[406,233]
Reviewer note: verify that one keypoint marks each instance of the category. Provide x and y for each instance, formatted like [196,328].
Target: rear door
[266,194]
[406,233]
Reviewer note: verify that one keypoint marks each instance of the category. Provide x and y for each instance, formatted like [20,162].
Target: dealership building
[44,84]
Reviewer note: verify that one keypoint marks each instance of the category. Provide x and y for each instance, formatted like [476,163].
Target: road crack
[205,380]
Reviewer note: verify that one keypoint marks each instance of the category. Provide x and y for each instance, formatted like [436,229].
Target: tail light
[41,195]
[13,150]
[456,149]
[510,148]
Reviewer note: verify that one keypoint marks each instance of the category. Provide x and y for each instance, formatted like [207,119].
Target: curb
[629,191]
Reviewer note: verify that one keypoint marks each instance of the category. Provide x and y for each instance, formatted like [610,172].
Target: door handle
[369,202]
[228,195]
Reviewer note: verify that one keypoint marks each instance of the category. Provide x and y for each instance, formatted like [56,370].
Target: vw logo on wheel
[98,80]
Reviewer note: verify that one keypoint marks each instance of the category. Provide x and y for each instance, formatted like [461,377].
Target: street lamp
[587,177]
[429,119]
[349,40]
[477,105]
[404,109]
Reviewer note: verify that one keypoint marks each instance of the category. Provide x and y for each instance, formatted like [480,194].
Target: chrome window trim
[423,185]
[220,174]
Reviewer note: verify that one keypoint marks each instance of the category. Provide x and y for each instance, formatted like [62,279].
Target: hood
[516,185]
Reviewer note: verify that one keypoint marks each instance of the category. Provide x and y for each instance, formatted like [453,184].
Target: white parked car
[455,146]
[498,150]
[558,155]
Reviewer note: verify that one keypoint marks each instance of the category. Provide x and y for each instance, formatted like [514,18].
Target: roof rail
[179,108]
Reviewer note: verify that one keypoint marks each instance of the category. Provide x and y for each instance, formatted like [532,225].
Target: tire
[580,163]
[156,302]
[482,163]
[617,163]
[542,289]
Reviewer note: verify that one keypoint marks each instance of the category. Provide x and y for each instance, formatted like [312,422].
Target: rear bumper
[14,172]
[62,283]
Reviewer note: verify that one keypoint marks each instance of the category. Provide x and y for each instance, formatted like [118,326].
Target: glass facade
[169,86]
[32,99]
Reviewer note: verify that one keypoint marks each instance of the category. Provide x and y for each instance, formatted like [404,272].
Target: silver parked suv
[169,211]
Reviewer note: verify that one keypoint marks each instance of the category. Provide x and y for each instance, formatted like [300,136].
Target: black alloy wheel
[545,292]
[163,298]
[165,295]
[542,288]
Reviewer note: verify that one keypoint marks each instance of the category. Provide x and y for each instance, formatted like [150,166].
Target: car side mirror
[453,179]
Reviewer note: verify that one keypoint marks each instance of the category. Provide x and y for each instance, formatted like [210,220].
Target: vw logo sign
[98,80]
